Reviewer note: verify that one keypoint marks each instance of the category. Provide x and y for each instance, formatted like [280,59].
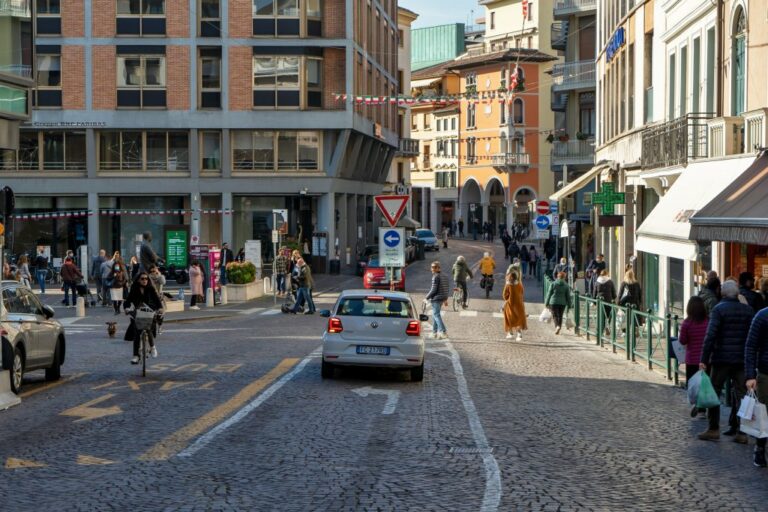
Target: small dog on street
[111,329]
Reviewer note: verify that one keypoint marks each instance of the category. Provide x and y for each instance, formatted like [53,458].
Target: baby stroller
[291,297]
[84,291]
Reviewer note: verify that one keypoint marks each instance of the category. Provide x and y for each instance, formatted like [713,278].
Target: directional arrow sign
[87,412]
[392,397]
[392,207]
[392,247]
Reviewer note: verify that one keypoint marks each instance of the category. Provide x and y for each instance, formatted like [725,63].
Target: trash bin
[421,249]
[335,267]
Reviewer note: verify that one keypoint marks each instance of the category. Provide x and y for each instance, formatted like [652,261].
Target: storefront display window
[62,234]
[120,232]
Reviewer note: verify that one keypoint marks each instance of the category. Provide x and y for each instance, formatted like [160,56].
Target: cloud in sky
[440,12]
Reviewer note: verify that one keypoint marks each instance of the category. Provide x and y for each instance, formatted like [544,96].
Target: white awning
[577,184]
[665,232]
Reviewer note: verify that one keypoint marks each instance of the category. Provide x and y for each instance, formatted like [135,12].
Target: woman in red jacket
[692,333]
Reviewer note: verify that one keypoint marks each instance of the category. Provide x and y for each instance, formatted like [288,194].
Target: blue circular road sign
[542,222]
[392,238]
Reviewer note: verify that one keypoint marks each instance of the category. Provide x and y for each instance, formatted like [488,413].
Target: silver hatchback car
[373,328]
[31,339]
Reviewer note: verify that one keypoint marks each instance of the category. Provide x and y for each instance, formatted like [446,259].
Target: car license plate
[370,350]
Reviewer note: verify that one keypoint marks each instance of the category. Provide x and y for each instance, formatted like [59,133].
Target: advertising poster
[253,252]
[176,241]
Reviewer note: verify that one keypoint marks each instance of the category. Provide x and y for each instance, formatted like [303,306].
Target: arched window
[738,58]
[517,111]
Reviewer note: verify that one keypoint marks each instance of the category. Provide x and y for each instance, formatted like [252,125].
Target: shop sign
[176,241]
[615,43]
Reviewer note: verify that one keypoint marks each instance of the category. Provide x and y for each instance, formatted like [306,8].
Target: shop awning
[577,184]
[667,229]
[740,212]
[408,223]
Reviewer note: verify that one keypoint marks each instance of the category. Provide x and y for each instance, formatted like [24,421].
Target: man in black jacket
[747,289]
[723,356]
[756,370]
[225,257]
[147,256]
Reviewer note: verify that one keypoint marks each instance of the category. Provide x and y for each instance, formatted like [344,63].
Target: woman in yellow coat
[514,306]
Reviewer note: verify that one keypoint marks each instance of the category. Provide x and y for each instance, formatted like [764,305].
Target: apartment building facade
[206,115]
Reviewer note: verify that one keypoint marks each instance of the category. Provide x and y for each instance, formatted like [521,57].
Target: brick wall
[177,18]
[177,77]
[72,18]
[334,18]
[73,77]
[104,78]
[240,16]
[240,78]
[104,18]
[334,78]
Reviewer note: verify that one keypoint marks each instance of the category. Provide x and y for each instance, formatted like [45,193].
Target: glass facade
[62,234]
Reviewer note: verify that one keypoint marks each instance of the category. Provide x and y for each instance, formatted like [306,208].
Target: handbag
[706,397]
[545,316]
[747,407]
[693,386]
[758,425]
[569,323]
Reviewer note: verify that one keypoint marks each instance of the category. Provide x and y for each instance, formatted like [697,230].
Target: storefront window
[118,232]
[61,234]
[676,300]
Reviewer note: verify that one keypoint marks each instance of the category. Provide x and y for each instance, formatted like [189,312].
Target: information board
[176,242]
[253,252]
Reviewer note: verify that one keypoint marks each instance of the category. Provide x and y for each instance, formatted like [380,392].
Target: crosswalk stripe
[468,313]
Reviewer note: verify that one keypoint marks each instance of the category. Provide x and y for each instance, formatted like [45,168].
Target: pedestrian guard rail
[642,336]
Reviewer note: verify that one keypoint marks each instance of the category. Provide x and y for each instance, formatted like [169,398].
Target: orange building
[500,135]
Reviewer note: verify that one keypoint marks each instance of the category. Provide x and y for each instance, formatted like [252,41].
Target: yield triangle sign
[392,207]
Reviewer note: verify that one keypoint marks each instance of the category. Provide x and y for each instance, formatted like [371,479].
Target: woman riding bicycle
[142,293]
[487,266]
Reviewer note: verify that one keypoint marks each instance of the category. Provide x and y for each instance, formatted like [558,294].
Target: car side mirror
[424,318]
[48,311]
[325,313]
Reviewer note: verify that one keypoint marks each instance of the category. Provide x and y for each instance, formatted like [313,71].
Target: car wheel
[17,370]
[326,370]
[54,372]
[417,374]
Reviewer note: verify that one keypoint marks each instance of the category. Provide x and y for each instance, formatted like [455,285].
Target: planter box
[237,293]
[174,306]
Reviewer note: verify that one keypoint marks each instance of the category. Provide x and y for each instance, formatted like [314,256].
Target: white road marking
[468,313]
[248,408]
[70,320]
[498,315]
[492,495]
[271,312]
[251,311]
[392,397]
[171,329]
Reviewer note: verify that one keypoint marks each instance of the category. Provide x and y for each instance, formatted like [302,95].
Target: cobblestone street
[234,416]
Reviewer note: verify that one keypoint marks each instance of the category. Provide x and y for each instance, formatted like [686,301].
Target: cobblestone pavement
[549,423]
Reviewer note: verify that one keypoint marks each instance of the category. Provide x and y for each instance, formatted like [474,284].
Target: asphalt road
[233,415]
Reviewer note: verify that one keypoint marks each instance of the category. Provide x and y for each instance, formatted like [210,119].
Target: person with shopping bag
[692,333]
[558,300]
[756,371]
[723,357]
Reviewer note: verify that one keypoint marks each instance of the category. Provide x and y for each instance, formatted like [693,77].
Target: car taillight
[414,328]
[334,326]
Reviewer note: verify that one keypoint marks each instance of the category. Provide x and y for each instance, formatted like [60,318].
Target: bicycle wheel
[144,352]
[456,299]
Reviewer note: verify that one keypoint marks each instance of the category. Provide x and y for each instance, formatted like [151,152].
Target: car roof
[367,293]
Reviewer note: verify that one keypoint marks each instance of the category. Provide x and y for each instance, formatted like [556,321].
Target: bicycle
[143,319]
[487,284]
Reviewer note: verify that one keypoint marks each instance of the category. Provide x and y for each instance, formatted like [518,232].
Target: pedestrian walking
[437,296]
[134,267]
[710,293]
[514,306]
[25,277]
[525,260]
[147,255]
[70,275]
[118,280]
[533,258]
[225,257]
[158,280]
[240,255]
[514,250]
[445,237]
[763,290]
[195,285]
[96,263]
[723,357]
[692,333]
[106,286]
[605,290]
[558,300]
[561,267]
[594,269]
[756,370]
[281,271]
[461,273]
[475,228]
[747,289]
[41,269]
[630,292]
[461,228]
[304,280]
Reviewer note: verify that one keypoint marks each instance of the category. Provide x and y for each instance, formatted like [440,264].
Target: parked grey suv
[31,339]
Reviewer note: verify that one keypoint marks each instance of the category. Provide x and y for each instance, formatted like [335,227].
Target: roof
[447,110]
[406,12]
[511,54]
[740,212]
[433,71]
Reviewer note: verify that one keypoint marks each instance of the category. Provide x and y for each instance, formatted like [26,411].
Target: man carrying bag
[756,372]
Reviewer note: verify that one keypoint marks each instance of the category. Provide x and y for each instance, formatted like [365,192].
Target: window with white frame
[471,113]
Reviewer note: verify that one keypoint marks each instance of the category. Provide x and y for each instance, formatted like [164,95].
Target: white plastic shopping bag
[545,316]
[693,387]
[747,408]
[758,425]
[569,323]
[679,349]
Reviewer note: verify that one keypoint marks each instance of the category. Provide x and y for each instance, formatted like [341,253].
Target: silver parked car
[373,328]
[31,339]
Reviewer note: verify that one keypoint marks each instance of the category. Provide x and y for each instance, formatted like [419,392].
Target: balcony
[675,142]
[511,162]
[559,35]
[573,75]
[16,8]
[573,152]
[408,148]
[566,8]
[558,101]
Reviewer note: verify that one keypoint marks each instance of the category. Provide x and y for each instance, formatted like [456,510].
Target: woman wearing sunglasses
[143,293]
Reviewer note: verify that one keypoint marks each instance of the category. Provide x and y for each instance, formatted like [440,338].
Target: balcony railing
[573,75]
[573,152]
[511,162]
[17,69]
[559,35]
[675,142]
[569,7]
[16,8]
[408,147]
[558,101]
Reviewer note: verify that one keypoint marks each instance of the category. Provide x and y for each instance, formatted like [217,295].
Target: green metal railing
[641,335]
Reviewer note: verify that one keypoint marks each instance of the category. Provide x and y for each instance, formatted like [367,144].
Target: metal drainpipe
[720,49]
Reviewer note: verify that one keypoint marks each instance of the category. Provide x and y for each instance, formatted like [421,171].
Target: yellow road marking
[105,385]
[51,385]
[12,463]
[173,384]
[177,441]
[87,412]
[88,460]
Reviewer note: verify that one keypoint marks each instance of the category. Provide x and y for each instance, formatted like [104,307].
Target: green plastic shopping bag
[707,397]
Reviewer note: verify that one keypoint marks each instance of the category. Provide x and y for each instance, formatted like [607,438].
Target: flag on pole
[525,8]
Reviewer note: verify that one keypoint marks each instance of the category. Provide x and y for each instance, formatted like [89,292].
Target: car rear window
[424,233]
[381,307]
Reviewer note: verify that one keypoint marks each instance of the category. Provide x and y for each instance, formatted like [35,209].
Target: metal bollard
[80,310]
[209,298]
[224,299]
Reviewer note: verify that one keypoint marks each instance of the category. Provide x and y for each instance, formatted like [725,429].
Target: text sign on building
[392,207]
[392,247]
[615,43]
[176,242]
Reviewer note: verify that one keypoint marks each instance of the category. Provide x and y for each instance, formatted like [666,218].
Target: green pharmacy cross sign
[608,198]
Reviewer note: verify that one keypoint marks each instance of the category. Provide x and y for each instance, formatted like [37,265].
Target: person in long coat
[514,306]
[195,284]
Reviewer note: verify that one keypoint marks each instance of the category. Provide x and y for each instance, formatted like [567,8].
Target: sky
[434,12]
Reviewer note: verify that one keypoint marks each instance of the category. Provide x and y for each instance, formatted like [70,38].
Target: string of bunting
[485,97]
[118,212]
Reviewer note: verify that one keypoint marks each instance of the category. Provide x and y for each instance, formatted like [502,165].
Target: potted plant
[582,135]
[563,137]
[242,285]
[520,87]
[550,138]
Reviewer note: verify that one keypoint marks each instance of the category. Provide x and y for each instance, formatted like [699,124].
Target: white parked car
[373,328]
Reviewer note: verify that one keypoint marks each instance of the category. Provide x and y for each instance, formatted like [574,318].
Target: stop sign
[542,207]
